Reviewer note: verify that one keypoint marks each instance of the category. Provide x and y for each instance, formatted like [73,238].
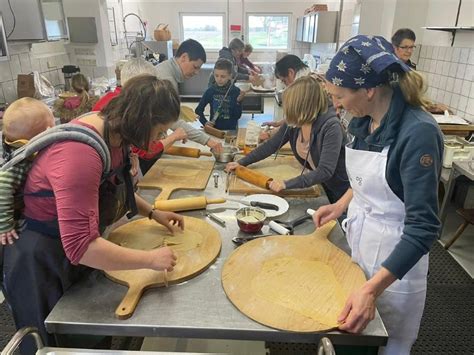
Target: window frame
[224,27]
[290,31]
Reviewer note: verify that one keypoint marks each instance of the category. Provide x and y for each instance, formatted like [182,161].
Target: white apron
[374,225]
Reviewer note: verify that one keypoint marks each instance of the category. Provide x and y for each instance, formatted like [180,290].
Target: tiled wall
[48,61]
[450,75]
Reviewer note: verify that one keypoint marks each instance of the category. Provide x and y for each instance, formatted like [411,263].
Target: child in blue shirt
[224,112]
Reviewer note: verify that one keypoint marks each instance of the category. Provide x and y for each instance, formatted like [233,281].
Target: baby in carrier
[24,119]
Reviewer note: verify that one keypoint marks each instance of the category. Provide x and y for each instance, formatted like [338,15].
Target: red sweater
[155,147]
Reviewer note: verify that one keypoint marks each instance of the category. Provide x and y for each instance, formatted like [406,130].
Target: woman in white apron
[393,165]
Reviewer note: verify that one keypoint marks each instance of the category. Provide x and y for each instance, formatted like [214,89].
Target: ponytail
[413,87]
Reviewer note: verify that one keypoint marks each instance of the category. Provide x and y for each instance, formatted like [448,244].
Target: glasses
[407,48]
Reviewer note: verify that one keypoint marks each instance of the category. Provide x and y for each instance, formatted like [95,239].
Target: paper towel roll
[278,228]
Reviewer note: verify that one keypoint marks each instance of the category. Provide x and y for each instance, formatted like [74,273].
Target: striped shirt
[11,184]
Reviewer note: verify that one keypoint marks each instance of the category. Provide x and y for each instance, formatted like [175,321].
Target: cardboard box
[26,86]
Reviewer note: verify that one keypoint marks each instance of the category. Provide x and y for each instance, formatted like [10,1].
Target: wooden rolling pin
[186,152]
[214,131]
[253,177]
[186,204]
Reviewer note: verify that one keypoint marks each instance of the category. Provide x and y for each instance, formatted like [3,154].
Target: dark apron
[146,164]
[36,270]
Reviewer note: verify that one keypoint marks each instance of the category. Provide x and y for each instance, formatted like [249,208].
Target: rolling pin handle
[278,228]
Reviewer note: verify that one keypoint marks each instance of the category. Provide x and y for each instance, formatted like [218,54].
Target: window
[207,29]
[268,31]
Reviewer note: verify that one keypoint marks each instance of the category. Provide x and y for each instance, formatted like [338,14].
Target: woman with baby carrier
[69,201]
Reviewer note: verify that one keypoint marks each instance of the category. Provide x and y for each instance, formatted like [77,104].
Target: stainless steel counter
[197,308]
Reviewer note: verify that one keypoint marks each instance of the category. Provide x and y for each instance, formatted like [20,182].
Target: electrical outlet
[51,64]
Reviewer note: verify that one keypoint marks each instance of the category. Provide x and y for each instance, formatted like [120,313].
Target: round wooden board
[145,234]
[247,261]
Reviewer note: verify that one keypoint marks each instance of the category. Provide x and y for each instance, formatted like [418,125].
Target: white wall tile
[35,64]
[442,53]
[462,103]
[449,54]
[43,64]
[435,52]
[466,86]
[455,101]
[9,91]
[450,84]
[464,58]
[436,80]
[439,67]
[423,52]
[442,82]
[457,86]
[5,72]
[15,65]
[433,66]
[421,64]
[470,107]
[440,96]
[429,52]
[471,56]
[25,63]
[471,93]
[447,98]
[446,68]
[456,55]
[2,98]
[453,69]
[469,75]
[54,77]
[461,71]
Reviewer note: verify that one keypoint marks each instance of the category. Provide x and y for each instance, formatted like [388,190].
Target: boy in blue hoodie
[223,97]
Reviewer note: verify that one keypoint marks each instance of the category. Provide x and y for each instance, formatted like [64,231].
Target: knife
[264,205]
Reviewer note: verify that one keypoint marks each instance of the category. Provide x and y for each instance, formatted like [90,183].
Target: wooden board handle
[164,194]
[214,131]
[253,177]
[126,308]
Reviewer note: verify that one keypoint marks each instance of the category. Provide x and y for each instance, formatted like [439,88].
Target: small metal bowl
[250,219]
[227,154]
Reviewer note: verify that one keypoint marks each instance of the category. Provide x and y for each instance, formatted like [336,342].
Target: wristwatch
[150,214]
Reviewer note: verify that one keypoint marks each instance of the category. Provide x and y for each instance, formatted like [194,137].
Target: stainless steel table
[197,308]
[462,167]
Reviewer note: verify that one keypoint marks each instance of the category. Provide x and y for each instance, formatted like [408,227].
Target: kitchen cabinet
[318,27]
[299,29]
[34,20]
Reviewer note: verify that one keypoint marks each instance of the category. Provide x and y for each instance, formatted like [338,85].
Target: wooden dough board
[190,263]
[245,263]
[285,150]
[175,174]
[283,168]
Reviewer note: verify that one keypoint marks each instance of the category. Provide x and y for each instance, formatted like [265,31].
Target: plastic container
[456,148]
[251,135]
[309,60]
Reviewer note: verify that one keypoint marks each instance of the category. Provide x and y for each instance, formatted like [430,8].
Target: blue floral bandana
[365,62]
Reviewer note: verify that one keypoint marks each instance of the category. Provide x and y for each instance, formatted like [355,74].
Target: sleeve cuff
[402,259]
